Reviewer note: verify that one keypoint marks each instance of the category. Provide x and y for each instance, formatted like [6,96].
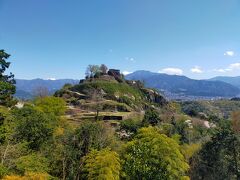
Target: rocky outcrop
[154,96]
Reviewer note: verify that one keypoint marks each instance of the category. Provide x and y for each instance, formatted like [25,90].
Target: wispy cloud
[231,67]
[131,59]
[126,73]
[220,70]
[52,79]
[196,69]
[229,53]
[171,71]
[234,66]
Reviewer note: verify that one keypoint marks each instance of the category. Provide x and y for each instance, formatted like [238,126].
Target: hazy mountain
[23,94]
[184,85]
[235,81]
[26,88]
[173,84]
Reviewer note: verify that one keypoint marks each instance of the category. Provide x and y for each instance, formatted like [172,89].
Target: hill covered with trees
[107,128]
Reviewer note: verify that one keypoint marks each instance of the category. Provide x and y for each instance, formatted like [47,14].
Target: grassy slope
[110,88]
[121,92]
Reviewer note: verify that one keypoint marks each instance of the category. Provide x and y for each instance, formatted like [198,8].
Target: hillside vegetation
[218,108]
[99,91]
[108,128]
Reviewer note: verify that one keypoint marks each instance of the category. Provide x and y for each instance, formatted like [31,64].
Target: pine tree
[7,87]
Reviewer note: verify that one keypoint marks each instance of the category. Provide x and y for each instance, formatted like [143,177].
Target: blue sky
[59,38]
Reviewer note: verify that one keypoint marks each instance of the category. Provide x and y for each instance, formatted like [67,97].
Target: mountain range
[235,81]
[25,89]
[173,86]
[182,86]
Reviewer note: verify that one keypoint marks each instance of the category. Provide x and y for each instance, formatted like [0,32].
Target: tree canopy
[32,126]
[7,88]
[103,164]
[152,155]
[51,105]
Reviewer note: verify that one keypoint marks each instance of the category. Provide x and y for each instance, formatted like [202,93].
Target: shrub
[130,125]
[151,117]
[103,164]
[32,163]
[152,155]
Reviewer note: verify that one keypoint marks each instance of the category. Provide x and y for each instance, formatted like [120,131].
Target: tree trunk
[5,153]
[64,169]
[97,115]
[235,160]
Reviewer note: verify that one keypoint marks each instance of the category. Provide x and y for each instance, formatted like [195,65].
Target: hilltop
[109,96]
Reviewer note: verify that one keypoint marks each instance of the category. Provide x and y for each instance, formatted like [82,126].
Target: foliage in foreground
[104,164]
[7,88]
[152,155]
[36,143]
[219,158]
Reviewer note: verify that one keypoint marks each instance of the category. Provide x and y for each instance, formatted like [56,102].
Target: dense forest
[108,128]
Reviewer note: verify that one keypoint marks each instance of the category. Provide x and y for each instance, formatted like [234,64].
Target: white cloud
[220,70]
[52,79]
[171,71]
[234,66]
[231,67]
[126,73]
[196,69]
[229,53]
[131,59]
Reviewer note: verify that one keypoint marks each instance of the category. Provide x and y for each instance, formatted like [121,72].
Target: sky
[59,38]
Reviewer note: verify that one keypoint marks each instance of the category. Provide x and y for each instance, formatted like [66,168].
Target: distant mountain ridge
[235,81]
[25,88]
[172,85]
[185,86]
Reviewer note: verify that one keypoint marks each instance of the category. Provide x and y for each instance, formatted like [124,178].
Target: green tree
[29,176]
[130,125]
[92,70]
[103,164]
[7,88]
[10,149]
[219,158]
[51,105]
[4,113]
[10,152]
[3,171]
[32,163]
[182,128]
[152,155]
[151,117]
[32,126]
[78,143]
[58,151]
